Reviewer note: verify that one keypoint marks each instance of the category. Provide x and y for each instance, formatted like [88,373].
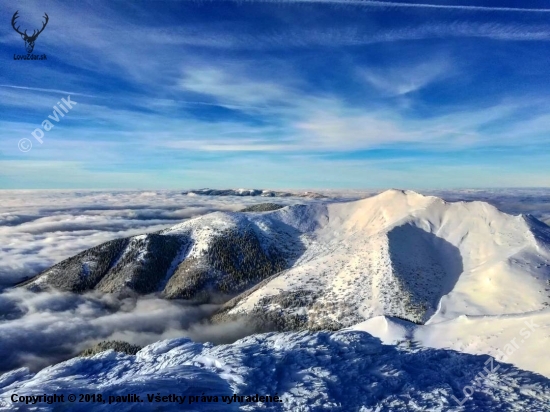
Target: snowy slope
[338,371]
[415,257]
[468,276]
[521,339]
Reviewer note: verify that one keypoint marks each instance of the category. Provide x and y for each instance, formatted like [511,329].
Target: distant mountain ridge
[252,192]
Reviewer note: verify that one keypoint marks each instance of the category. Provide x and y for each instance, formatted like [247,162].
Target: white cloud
[328,131]
[233,86]
[395,80]
[39,329]
[38,89]
[394,5]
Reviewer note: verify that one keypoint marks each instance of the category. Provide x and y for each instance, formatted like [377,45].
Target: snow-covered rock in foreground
[323,371]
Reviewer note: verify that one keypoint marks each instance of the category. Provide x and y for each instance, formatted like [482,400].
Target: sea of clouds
[40,329]
[41,228]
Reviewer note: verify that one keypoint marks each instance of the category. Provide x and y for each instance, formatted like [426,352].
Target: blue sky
[278,94]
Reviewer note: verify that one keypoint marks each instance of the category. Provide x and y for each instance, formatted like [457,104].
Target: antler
[43,26]
[15,16]
[35,33]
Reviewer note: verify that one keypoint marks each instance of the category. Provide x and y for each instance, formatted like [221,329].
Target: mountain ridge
[252,192]
[398,253]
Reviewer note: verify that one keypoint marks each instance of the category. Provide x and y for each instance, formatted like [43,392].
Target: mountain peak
[405,193]
[401,191]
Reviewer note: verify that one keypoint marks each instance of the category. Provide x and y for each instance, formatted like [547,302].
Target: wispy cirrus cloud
[37,89]
[397,81]
[397,5]
[392,4]
[232,87]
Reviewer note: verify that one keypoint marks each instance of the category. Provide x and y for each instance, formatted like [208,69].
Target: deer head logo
[29,40]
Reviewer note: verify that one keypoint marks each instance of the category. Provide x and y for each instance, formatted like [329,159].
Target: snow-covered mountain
[200,259]
[324,371]
[399,254]
[410,256]
[328,266]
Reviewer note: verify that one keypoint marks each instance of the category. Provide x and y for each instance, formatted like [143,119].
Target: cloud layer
[45,328]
